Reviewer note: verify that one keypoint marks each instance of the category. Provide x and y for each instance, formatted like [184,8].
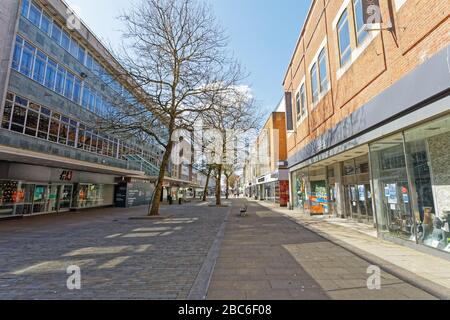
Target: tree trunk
[218,186]
[227,187]
[205,191]
[156,199]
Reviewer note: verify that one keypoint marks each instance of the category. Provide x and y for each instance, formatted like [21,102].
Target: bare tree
[209,170]
[229,171]
[233,116]
[174,54]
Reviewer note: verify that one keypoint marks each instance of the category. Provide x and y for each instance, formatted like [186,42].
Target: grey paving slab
[268,256]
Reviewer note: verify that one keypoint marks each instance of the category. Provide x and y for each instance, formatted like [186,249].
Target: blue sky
[263,34]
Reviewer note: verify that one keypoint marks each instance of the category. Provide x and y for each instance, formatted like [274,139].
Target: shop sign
[121,196]
[66,175]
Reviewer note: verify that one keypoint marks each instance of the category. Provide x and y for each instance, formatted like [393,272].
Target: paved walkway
[425,270]
[119,258]
[268,256]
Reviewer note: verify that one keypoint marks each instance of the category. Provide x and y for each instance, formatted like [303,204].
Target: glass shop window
[391,187]
[427,154]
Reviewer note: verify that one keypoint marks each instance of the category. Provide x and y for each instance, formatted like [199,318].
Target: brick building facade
[265,175]
[370,118]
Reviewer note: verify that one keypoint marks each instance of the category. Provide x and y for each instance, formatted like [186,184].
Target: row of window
[36,15]
[89,98]
[23,116]
[319,70]
[344,35]
[36,65]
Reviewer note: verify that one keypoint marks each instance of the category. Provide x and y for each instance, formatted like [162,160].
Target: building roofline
[279,104]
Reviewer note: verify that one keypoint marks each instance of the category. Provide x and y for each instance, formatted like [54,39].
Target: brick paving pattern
[119,258]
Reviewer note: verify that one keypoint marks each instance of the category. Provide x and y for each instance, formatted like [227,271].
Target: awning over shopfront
[35,158]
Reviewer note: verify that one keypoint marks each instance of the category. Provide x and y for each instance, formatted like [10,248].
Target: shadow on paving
[119,258]
[266,256]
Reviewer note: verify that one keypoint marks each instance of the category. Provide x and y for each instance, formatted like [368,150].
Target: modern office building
[266,176]
[369,118]
[56,81]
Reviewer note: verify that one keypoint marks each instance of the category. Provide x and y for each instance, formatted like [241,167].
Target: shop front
[311,191]
[337,187]
[273,188]
[399,183]
[23,198]
[411,178]
[28,189]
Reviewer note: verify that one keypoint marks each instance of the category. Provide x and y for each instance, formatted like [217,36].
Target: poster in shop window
[362,193]
[393,194]
[386,191]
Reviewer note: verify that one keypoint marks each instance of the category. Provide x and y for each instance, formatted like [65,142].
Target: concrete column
[291,190]
[340,197]
[9,10]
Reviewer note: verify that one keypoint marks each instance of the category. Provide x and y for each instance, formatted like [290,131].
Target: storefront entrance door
[53,198]
[358,202]
[351,202]
[65,197]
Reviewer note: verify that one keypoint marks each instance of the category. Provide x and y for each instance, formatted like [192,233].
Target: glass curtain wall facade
[39,66]
[411,177]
